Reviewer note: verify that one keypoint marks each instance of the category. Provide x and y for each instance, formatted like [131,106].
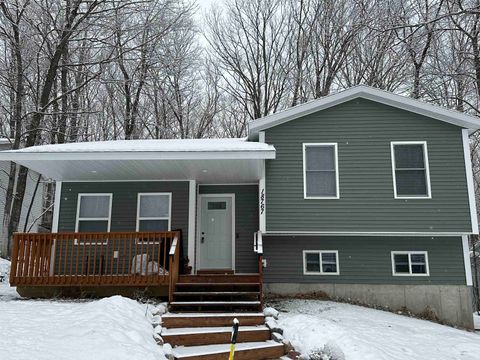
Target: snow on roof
[164,145]
[4,141]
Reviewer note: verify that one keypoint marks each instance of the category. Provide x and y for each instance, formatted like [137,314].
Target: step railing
[258,248]
[79,259]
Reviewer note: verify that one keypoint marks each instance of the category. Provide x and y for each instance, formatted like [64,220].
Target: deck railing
[95,259]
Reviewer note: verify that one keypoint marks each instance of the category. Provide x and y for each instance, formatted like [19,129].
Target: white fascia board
[362,233]
[369,93]
[470,183]
[138,155]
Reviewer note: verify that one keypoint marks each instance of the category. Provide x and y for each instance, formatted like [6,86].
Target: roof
[147,149]
[203,160]
[366,92]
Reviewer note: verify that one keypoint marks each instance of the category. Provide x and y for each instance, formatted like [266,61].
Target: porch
[119,260]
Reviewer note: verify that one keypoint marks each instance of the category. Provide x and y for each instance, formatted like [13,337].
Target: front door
[216,232]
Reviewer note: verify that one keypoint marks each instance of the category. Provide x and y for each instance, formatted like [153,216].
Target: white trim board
[192,199]
[362,233]
[469,175]
[199,225]
[55,221]
[466,261]
[425,164]
[369,93]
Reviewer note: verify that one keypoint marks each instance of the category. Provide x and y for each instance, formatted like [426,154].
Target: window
[320,171]
[93,212]
[320,262]
[153,211]
[411,177]
[410,263]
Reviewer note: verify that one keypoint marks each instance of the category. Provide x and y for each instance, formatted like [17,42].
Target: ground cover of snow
[111,328]
[359,333]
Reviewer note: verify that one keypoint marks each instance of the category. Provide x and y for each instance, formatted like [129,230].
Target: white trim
[136,180]
[262,192]
[56,206]
[227,184]
[169,218]
[109,219]
[19,155]
[426,164]
[466,261]
[55,221]
[361,233]
[409,253]
[199,225]
[369,93]
[469,175]
[192,198]
[337,182]
[320,252]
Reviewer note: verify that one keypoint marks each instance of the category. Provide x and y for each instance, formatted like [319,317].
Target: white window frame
[320,252]
[337,184]
[409,253]
[426,164]
[78,219]
[169,218]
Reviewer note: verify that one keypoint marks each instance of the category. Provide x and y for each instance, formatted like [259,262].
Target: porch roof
[205,160]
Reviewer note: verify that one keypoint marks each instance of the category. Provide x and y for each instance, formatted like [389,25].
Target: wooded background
[74,70]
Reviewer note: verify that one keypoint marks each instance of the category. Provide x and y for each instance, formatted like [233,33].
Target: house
[361,195]
[29,219]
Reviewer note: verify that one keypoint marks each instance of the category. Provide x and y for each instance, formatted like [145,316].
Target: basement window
[410,263]
[320,262]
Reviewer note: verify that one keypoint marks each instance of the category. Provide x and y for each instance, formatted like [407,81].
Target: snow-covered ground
[111,328]
[367,334]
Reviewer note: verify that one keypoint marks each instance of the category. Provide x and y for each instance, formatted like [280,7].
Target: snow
[235,144]
[368,334]
[6,292]
[476,320]
[111,328]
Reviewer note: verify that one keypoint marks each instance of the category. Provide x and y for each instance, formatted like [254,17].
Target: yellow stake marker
[233,339]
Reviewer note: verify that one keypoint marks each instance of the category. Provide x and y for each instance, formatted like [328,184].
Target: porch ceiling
[202,170]
[204,160]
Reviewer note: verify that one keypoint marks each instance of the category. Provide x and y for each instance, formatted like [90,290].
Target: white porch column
[56,217]
[262,192]
[192,206]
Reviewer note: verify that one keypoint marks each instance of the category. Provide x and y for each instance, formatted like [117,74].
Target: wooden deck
[95,259]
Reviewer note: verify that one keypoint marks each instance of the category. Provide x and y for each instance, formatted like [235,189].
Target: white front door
[216,232]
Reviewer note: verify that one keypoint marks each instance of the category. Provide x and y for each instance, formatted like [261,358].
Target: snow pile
[111,328]
[6,292]
[359,333]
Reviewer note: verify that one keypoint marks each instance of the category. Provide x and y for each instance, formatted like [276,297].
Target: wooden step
[213,335]
[174,320]
[217,287]
[216,295]
[214,305]
[244,351]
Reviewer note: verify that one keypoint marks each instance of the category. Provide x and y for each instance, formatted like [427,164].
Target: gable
[368,93]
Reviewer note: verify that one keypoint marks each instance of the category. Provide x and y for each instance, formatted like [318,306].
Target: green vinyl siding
[246,222]
[363,130]
[124,203]
[363,259]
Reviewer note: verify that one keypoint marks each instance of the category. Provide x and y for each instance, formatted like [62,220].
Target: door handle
[202,240]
